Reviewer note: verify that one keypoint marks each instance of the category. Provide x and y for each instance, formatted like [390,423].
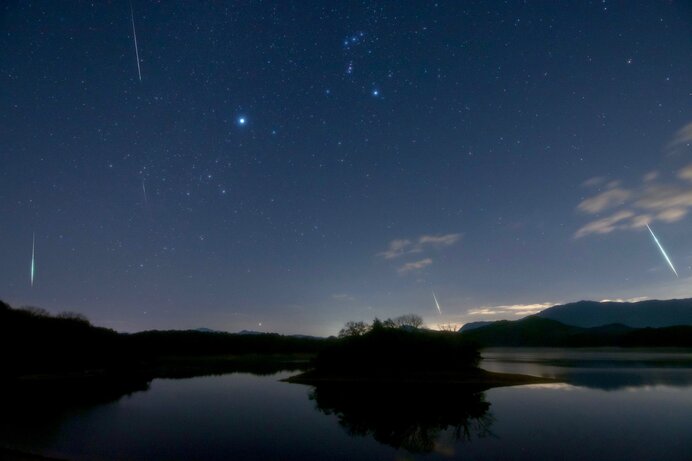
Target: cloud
[605,225]
[512,309]
[653,199]
[438,240]
[625,300]
[396,248]
[671,214]
[686,173]
[682,138]
[608,199]
[401,247]
[660,198]
[650,176]
[594,182]
[414,266]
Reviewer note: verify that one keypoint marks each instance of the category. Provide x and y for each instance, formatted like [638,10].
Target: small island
[400,351]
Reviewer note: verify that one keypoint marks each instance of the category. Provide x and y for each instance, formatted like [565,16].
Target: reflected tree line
[410,417]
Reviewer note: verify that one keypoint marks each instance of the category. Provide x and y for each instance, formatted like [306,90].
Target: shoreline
[10,454]
[477,379]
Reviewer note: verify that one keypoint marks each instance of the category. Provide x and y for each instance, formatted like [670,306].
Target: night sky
[288,166]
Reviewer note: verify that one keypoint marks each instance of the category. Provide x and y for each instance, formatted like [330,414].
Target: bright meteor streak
[33,253]
[134,33]
[663,252]
[436,303]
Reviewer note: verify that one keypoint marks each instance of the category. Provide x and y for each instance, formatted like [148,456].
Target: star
[375,92]
[242,120]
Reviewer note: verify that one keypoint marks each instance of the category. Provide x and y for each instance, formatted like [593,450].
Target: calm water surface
[614,405]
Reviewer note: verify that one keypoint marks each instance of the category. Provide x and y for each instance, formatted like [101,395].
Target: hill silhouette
[650,313]
[536,331]
[36,344]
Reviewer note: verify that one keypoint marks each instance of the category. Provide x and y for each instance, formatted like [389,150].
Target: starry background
[288,166]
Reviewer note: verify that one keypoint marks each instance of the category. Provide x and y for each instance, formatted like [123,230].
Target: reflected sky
[596,368]
[242,416]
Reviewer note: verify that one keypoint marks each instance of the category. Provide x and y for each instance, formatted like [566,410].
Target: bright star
[242,120]
[375,92]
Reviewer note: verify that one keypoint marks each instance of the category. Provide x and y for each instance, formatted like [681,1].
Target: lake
[613,405]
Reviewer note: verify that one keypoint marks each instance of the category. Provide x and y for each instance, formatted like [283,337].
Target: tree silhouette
[411,417]
[408,320]
[354,329]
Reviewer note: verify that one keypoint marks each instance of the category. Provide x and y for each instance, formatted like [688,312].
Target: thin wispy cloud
[682,139]
[686,173]
[396,248]
[606,225]
[414,266]
[439,240]
[401,247]
[594,182]
[656,197]
[605,200]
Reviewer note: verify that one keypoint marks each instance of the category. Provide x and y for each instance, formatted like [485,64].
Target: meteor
[144,191]
[436,303]
[663,252]
[134,33]
[33,253]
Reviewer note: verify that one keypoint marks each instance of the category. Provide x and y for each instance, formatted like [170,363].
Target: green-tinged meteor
[33,254]
[663,252]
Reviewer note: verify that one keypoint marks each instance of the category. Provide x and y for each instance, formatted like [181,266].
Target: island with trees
[400,350]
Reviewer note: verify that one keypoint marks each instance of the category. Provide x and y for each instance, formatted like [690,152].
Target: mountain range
[651,313]
[591,323]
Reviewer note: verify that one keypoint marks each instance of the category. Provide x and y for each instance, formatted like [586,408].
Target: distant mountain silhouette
[535,331]
[651,313]
[529,331]
[473,325]
[207,330]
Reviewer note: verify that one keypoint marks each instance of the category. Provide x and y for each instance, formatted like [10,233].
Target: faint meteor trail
[144,190]
[134,33]
[33,254]
[436,303]
[663,252]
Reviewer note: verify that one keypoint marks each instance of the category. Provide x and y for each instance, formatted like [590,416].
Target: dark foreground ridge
[406,357]
[40,348]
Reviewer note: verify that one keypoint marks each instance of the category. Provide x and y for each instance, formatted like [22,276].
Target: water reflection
[35,411]
[412,417]
[604,369]
[248,416]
